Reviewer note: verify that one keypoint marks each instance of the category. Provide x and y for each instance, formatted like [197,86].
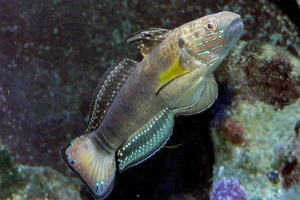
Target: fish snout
[234,31]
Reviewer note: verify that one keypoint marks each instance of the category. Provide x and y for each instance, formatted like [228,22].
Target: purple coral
[229,190]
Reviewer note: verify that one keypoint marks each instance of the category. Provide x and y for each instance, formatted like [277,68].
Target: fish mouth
[234,31]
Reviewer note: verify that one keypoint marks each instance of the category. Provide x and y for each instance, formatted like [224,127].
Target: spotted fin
[95,168]
[207,98]
[175,71]
[147,40]
[146,141]
[108,87]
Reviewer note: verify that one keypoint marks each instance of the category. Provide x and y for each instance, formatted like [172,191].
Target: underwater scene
[150,100]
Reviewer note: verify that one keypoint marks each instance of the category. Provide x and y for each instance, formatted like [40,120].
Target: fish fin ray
[207,98]
[147,140]
[191,96]
[146,40]
[106,90]
[175,146]
[99,174]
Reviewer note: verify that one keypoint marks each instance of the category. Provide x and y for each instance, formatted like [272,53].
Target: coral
[229,189]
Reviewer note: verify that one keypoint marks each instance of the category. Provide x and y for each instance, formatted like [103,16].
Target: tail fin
[95,168]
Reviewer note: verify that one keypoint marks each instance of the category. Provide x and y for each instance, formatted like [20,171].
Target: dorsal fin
[147,140]
[106,90]
[147,40]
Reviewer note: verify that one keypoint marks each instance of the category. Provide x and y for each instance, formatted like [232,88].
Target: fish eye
[211,25]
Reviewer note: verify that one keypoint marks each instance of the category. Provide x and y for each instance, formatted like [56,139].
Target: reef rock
[268,140]
[33,183]
[255,136]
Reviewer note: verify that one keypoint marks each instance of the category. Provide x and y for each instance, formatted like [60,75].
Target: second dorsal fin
[107,89]
[147,40]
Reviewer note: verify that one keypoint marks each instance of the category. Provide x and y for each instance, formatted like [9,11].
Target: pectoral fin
[191,96]
[146,141]
[207,98]
[175,71]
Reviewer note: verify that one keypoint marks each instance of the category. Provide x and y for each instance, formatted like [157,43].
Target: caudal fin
[95,168]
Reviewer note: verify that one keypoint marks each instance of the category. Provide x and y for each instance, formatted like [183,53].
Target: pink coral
[233,131]
[229,189]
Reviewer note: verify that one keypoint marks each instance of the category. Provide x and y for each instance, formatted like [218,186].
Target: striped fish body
[133,109]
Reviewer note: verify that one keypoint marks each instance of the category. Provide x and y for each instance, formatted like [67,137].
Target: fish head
[210,38]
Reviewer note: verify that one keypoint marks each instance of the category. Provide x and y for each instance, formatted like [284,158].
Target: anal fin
[94,167]
[147,140]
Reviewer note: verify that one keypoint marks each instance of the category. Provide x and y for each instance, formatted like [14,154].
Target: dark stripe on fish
[101,143]
[126,109]
[181,42]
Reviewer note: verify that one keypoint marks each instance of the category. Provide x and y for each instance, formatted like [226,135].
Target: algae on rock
[9,173]
[254,140]
[19,182]
[268,140]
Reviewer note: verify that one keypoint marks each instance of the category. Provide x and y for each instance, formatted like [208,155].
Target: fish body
[133,108]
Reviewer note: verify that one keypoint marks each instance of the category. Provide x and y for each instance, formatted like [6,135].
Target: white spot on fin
[106,91]
[146,141]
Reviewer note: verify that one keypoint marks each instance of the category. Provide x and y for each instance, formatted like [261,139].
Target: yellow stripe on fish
[175,71]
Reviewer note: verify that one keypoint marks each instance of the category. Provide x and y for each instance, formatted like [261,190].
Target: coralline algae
[269,141]
[229,190]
